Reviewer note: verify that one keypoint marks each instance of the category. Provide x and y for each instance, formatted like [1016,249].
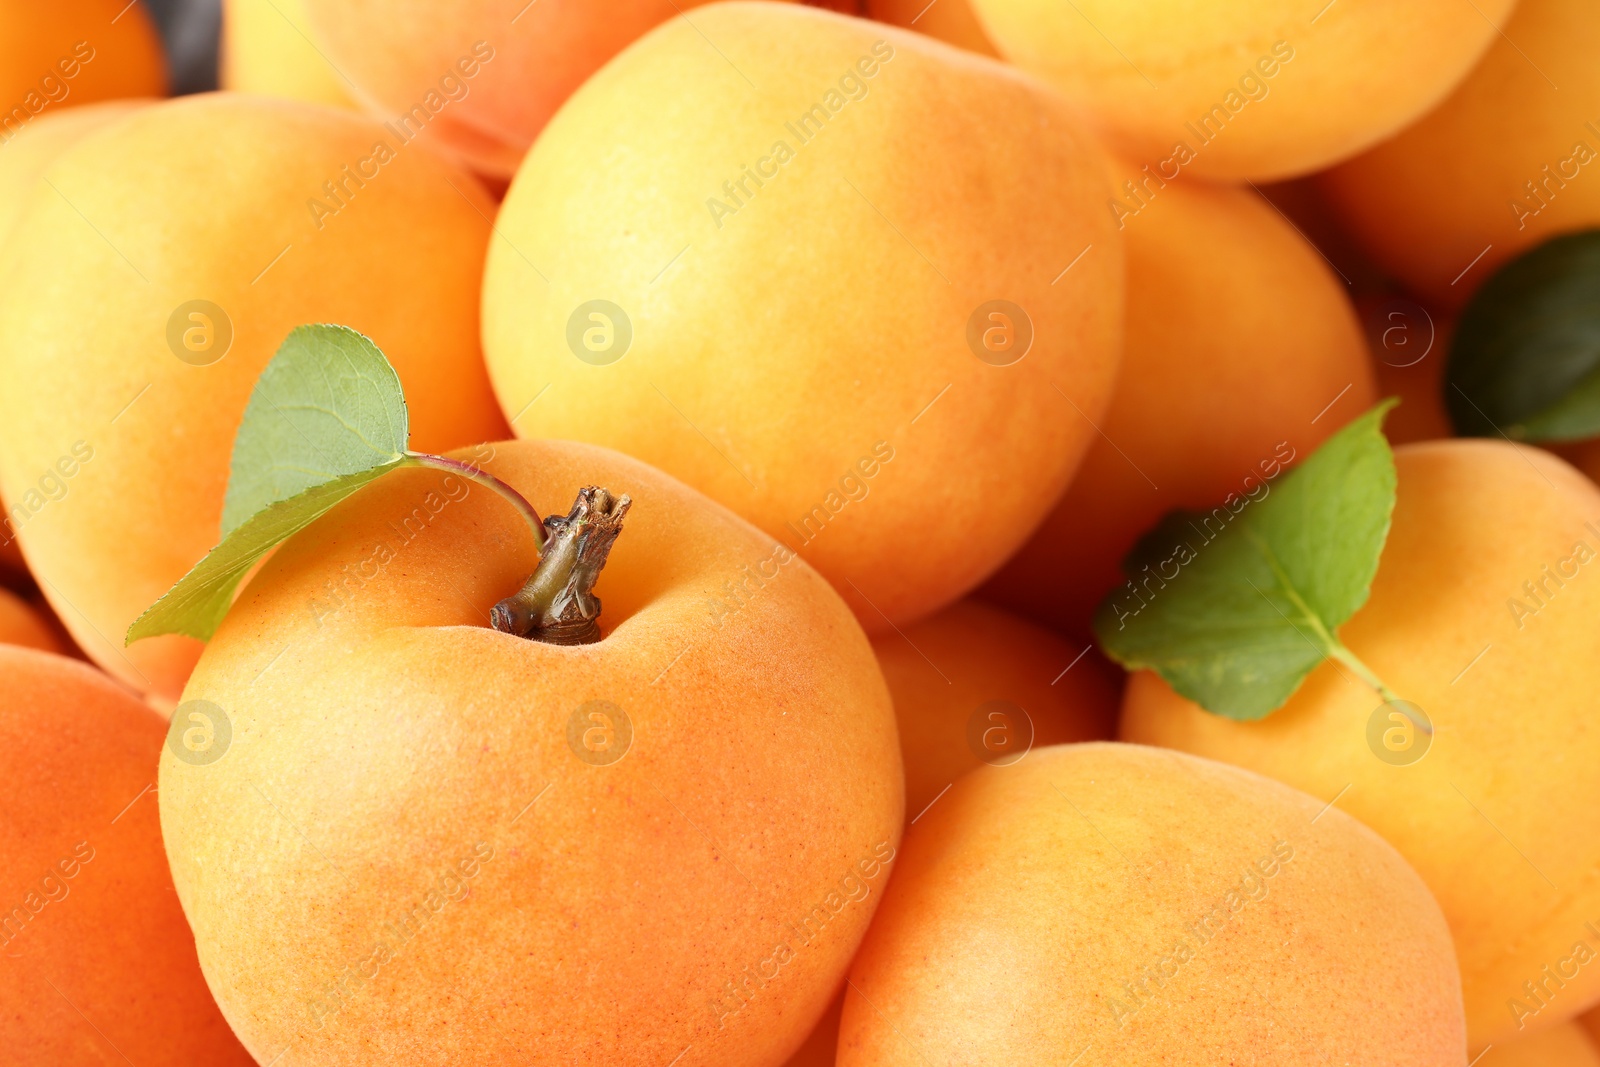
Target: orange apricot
[1101,905]
[976,685]
[1566,1045]
[951,21]
[96,963]
[1481,617]
[481,77]
[21,625]
[1504,163]
[1241,354]
[702,807]
[158,264]
[57,56]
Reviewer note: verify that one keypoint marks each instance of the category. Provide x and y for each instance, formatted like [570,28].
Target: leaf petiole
[484,478]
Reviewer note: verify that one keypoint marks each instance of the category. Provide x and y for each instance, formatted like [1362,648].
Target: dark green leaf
[1235,607]
[1525,361]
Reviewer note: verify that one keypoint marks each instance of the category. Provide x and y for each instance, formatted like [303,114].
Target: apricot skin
[382,716]
[1240,348]
[207,198]
[1032,898]
[1289,89]
[43,48]
[268,48]
[944,670]
[1433,205]
[397,53]
[819,383]
[1564,1045]
[102,968]
[21,625]
[1504,805]
[951,21]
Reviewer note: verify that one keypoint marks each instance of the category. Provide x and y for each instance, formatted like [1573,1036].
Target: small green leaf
[197,604]
[328,405]
[325,418]
[1526,357]
[1234,607]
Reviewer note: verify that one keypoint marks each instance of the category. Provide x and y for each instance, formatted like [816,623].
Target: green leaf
[328,405]
[1525,361]
[197,603]
[325,418]
[1234,607]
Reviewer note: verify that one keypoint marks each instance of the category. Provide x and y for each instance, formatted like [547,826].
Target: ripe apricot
[1242,353]
[1565,1045]
[96,963]
[973,684]
[21,625]
[900,394]
[1106,904]
[30,153]
[1500,166]
[1246,88]
[158,264]
[56,56]
[951,21]
[666,844]
[483,75]
[1479,616]
[268,48]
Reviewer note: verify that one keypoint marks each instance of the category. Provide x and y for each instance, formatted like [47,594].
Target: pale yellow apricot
[1258,89]
[268,48]
[888,348]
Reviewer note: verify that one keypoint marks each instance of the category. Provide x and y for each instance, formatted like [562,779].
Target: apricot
[951,21]
[820,1048]
[158,264]
[30,153]
[1242,354]
[57,56]
[481,76]
[1498,167]
[268,48]
[96,963]
[898,395]
[1565,1045]
[1246,88]
[975,685]
[21,625]
[1112,904]
[666,844]
[1480,615]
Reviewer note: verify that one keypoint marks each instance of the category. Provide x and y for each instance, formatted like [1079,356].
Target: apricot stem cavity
[557,604]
